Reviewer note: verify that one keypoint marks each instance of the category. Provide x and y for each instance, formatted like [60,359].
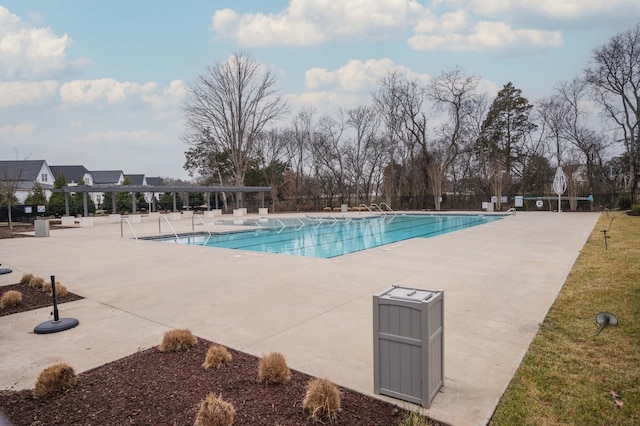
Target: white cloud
[19,130]
[358,76]
[327,102]
[487,36]
[549,9]
[27,52]
[135,138]
[85,92]
[16,93]
[169,98]
[310,22]
[442,25]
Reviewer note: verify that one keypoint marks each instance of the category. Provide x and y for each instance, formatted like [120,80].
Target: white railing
[168,223]
[193,228]
[124,219]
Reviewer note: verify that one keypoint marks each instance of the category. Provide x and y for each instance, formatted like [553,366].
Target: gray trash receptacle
[41,228]
[408,344]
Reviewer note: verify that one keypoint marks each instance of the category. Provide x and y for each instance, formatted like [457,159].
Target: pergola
[208,190]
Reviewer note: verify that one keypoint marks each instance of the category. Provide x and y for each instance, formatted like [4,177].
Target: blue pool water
[327,238]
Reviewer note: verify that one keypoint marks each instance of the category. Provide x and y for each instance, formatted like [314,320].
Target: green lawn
[570,376]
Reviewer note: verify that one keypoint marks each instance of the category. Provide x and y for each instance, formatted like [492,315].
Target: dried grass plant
[10,299]
[216,356]
[322,400]
[61,290]
[55,379]
[36,282]
[214,411]
[26,278]
[177,341]
[272,368]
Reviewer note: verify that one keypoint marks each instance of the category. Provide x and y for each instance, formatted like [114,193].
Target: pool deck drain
[500,279]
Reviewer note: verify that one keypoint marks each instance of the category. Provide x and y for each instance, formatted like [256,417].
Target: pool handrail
[168,223]
[388,208]
[201,220]
[365,206]
[126,219]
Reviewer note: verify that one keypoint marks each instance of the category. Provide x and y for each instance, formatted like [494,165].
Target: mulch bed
[153,387]
[33,299]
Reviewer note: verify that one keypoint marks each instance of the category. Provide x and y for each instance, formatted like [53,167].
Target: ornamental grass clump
[214,411]
[177,341]
[216,356]
[36,282]
[273,368]
[26,278]
[10,299]
[322,400]
[54,379]
[61,290]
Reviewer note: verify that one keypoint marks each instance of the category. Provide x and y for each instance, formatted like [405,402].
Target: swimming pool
[330,237]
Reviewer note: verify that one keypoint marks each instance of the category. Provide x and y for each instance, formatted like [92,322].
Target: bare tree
[452,93]
[364,150]
[9,185]
[576,129]
[614,76]
[298,138]
[271,152]
[328,155]
[401,103]
[231,104]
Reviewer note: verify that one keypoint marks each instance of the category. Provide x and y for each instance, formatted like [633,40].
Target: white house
[25,173]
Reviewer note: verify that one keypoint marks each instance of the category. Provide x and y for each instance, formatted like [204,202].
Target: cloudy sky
[100,83]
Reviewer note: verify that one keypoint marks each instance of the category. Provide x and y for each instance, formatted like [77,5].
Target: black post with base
[58,324]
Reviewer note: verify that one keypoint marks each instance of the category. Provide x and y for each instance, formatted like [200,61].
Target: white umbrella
[559,184]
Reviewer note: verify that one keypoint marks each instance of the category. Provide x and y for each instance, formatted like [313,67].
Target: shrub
[61,290]
[10,299]
[624,202]
[214,411]
[177,341]
[273,368]
[216,356]
[635,209]
[322,400]
[26,278]
[54,379]
[36,282]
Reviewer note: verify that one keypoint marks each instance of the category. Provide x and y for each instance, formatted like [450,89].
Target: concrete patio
[500,279]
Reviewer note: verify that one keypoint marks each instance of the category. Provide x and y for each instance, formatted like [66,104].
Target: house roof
[20,170]
[102,177]
[154,181]
[71,173]
[136,179]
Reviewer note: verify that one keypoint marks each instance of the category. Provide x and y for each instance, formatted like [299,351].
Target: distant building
[75,175]
[25,173]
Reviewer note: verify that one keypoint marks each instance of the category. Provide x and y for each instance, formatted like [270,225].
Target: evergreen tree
[502,136]
[36,196]
[56,201]
[123,199]
[78,198]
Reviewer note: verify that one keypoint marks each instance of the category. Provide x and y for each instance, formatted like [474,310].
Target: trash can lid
[411,294]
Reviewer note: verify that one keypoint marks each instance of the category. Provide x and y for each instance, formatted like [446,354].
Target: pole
[53,295]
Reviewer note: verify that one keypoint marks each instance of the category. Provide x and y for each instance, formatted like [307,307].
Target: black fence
[24,214]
